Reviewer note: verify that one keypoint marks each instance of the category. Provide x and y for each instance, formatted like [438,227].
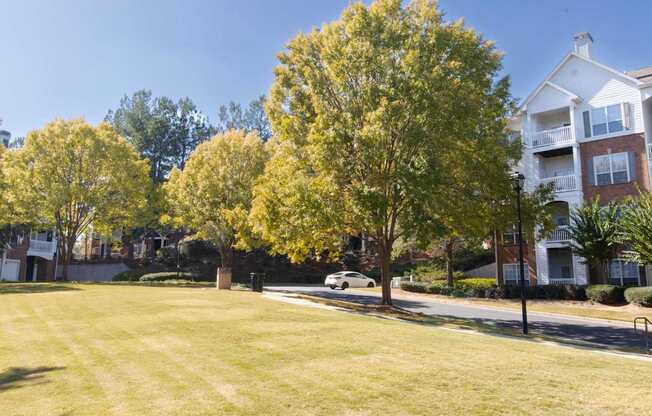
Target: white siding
[548,98]
[598,87]
[579,270]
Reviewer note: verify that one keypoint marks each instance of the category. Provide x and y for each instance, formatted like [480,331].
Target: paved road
[612,335]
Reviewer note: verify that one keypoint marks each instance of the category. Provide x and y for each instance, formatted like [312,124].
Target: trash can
[257,281]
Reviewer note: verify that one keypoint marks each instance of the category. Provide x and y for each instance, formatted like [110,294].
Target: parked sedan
[348,279]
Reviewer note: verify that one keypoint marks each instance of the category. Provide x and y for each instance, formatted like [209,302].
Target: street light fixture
[519,182]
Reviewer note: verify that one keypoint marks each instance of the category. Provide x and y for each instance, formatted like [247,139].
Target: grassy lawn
[129,350]
[587,309]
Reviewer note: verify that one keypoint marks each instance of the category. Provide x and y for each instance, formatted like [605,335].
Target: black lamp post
[519,181]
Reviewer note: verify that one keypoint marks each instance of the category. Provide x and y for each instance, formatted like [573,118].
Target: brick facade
[630,143]
[506,254]
[45,270]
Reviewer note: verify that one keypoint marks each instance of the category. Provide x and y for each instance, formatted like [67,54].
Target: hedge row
[641,296]
[606,294]
[486,288]
[162,276]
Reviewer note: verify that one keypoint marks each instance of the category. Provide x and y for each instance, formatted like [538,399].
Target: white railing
[562,183]
[552,137]
[561,281]
[42,246]
[560,233]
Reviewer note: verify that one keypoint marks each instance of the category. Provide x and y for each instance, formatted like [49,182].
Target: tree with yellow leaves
[369,111]
[69,176]
[212,195]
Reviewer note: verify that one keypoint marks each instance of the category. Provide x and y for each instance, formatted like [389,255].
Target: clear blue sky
[74,58]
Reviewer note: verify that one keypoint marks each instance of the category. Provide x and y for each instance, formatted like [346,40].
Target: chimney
[584,44]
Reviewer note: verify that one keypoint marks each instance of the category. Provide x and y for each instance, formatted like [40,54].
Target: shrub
[606,294]
[417,287]
[475,283]
[457,293]
[641,296]
[159,277]
[436,287]
[432,272]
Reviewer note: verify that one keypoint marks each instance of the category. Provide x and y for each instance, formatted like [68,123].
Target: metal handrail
[645,332]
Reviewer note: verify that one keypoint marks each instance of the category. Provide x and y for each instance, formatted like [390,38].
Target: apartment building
[31,256]
[586,130]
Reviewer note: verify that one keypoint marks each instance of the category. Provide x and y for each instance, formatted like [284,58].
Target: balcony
[45,246]
[563,183]
[561,281]
[42,248]
[552,137]
[560,234]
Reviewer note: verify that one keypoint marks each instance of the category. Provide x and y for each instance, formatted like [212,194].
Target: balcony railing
[562,183]
[561,281]
[42,246]
[560,135]
[560,234]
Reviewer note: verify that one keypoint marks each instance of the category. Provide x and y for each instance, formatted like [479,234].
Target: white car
[348,279]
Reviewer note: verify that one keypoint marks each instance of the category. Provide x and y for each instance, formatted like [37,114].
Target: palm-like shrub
[637,229]
[595,234]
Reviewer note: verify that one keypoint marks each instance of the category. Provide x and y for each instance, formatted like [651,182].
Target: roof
[627,76]
[643,74]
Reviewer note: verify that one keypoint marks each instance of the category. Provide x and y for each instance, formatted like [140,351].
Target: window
[610,169]
[510,237]
[566,272]
[623,273]
[511,274]
[608,119]
[41,235]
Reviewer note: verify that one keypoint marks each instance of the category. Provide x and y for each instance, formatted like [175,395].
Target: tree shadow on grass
[17,377]
[18,288]
[502,323]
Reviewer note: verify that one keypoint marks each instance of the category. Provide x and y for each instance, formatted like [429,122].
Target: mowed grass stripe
[144,376]
[204,388]
[201,351]
[32,343]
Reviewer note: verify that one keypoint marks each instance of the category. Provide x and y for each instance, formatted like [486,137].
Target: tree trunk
[130,250]
[226,256]
[385,250]
[605,276]
[449,262]
[225,272]
[68,246]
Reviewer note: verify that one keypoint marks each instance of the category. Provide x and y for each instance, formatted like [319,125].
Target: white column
[541,252]
[579,270]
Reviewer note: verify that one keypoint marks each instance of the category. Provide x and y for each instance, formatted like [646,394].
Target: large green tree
[163,131]
[250,119]
[69,176]
[212,195]
[368,109]
[596,235]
